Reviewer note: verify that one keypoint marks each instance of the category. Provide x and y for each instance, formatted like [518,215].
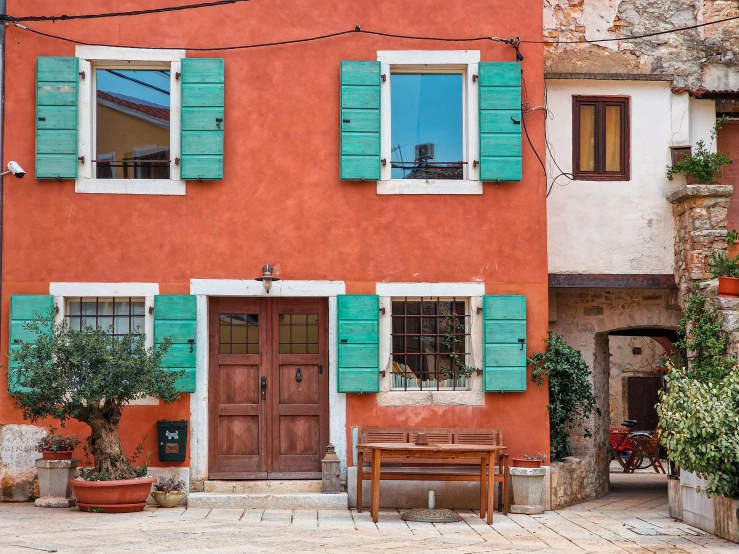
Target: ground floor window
[121,314]
[430,343]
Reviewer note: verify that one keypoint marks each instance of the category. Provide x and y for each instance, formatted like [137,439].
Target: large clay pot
[58,455]
[524,462]
[127,495]
[168,499]
[728,286]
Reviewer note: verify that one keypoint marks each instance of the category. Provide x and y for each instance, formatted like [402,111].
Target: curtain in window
[613,138]
[587,137]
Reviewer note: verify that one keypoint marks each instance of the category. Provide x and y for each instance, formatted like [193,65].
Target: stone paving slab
[630,520]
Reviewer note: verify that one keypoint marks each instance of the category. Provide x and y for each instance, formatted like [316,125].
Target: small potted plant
[727,270]
[529,460]
[702,166]
[169,492]
[57,447]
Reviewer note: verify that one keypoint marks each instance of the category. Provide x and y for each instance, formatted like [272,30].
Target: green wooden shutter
[359,337]
[176,317]
[505,343]
[201,146]
[500,121]
[57,97]
[360,121]
[25,308]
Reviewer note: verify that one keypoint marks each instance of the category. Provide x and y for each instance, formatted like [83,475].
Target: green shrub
[720,265]
[571,399]
[702,166]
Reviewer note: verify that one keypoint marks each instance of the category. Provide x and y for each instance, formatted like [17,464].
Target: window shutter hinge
[475,77]
[177,75]
[82,74]
[521,342]
[383,373]
[479,309]
[384,162]
[191,342]
[56,309]
[475,163]
[384,77]
[81,159]
[151,310]
[177,161]
[382,309]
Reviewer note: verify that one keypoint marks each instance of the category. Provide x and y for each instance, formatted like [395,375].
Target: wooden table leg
[483,486]
[360,469]
[375,499]
[490,487]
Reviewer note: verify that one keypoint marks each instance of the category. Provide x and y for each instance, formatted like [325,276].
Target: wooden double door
[268,388]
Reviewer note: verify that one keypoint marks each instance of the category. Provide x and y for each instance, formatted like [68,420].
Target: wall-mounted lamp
[267,277]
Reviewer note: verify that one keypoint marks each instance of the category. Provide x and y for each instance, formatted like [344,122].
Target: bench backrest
[434,436]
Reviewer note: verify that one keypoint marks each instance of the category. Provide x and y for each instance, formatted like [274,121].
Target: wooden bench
[413,469]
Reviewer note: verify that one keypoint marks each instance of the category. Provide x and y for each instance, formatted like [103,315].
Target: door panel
[643,396]
[280,431]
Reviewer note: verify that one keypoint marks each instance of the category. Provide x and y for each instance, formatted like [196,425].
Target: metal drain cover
[424,515]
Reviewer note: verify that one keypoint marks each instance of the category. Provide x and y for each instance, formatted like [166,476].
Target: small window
[601,138]
[430,344]
[122,315]
[132,123]
[427,125]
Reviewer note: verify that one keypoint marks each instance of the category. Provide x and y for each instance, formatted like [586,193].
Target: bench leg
[506,479]
[360,469]
[483,487]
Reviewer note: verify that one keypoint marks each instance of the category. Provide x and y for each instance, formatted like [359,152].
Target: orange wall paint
[280,201]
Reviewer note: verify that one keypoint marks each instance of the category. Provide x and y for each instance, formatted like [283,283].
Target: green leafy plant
[701,427]
[538,456]
[58,443]
[703,166]
[703,340]
[721,265]
[454,339]
[90,375]
[571,399]
[732,237]
[169,484]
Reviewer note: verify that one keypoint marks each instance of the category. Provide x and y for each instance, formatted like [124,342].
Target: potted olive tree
[90,375]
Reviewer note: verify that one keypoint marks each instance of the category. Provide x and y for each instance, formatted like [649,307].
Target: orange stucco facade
[281,200]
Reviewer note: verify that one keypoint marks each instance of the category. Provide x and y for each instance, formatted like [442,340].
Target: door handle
[264,388]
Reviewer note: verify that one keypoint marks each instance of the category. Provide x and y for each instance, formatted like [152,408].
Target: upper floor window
[430,344]
[601,138]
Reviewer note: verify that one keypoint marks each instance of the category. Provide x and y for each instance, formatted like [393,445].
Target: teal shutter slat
[25,308]
[203,93]
[500,109]
[360,121]
[359,338]
[505,356]
[57,94]
[176,317]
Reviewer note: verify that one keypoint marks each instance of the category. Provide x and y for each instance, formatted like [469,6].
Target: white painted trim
[105,56]
[234,287]
[199,399]
[430,289]
[465,60]
[432,186]
[336,400]
[117,53]
[61,291]
[160,187]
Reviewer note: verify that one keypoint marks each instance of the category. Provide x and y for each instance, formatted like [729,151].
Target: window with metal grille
[430,344]
[121,314]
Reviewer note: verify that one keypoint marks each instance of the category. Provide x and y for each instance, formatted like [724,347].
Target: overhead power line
[12,18]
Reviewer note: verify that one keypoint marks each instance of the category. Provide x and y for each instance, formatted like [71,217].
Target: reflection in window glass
[613,138]
[238,334]
[132,124]
[299,334]
[587,137]
[427,126]
[122,315]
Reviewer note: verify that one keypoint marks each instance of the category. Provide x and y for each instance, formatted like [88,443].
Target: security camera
[16,169]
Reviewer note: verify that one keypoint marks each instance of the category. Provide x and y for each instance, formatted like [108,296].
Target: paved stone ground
[632,519]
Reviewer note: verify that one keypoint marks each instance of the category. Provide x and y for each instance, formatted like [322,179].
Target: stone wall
[704,57]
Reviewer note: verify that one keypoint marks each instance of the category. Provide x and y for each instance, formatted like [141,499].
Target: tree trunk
[105,445]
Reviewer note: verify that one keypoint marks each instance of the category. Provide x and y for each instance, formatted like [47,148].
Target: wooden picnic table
[487,454]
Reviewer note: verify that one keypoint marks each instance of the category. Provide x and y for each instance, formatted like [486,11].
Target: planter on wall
[525,462]
[527,483]
[168,499]
[728,286]
[123,496]
[54,482]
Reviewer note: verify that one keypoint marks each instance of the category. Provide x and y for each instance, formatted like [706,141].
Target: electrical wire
[11,18]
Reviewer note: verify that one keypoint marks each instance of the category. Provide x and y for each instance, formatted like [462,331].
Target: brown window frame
[600,174]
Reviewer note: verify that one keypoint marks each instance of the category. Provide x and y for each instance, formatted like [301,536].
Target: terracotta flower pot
[58,455]
[127,495]
[523,462]
[168,499]
[728,286]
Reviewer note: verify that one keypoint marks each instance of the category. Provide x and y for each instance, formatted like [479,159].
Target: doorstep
[272,487]
[269,501]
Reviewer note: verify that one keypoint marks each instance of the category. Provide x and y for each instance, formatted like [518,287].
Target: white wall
[619,226]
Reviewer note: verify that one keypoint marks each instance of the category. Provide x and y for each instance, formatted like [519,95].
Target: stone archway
[587,319]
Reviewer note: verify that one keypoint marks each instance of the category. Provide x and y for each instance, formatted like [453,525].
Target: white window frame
[104,57]
[438,61]
[472,293]
[147,291]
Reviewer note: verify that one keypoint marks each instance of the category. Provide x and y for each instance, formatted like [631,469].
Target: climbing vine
[571,399]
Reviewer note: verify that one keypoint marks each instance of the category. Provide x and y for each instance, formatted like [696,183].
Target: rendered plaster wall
[705,57]
[619,226]
[584,317]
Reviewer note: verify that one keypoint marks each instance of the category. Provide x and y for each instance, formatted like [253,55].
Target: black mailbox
[172,440]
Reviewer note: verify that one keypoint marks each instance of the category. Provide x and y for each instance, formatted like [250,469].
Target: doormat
[424,515]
